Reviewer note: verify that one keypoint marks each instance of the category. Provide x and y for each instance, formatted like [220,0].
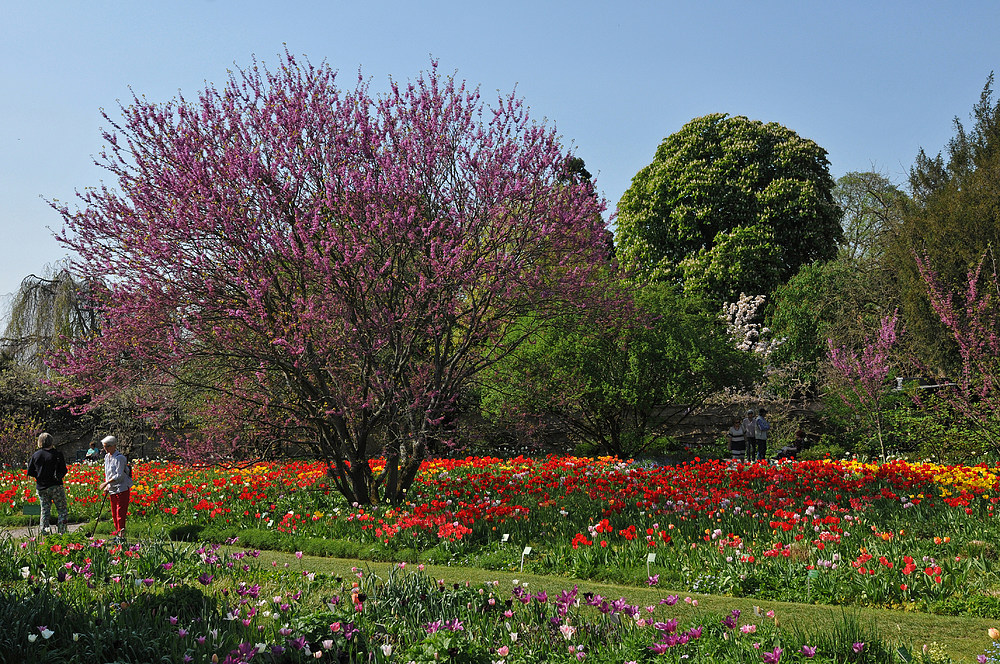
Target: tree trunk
[391,472]
[410,467]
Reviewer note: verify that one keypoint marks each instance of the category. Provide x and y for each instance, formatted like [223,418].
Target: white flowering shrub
[748,335]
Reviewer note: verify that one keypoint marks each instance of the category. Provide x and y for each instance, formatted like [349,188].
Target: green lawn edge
[963,638]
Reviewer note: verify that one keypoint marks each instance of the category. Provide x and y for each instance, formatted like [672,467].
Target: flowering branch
[866,374]
[972,318]
[330,265]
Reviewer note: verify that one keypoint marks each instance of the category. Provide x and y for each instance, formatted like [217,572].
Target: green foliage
[842,298]
[729,205]
[872,207]
[926,428]
[824,449]
[822,301]
[850,640]
[185,602]
[126,640]
[982,606]
[617,385]
[953,218]
[931,429]
[273,540]
[981,549]
[843,418]
[449,648]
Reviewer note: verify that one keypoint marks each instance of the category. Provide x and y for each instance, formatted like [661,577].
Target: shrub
[825,448]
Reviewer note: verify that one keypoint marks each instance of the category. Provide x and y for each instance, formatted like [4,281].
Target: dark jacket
[48,467]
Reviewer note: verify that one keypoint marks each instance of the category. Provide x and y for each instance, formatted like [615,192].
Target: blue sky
[871,82]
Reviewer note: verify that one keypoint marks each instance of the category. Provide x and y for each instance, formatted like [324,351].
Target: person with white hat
[117,483]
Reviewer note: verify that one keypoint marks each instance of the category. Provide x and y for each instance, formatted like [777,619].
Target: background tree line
[288,262]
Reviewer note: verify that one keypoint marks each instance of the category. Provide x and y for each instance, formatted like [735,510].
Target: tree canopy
[46,312]
[837,300]
[729,205]
[617,384]
[954,216]
[872,207]
[326,263]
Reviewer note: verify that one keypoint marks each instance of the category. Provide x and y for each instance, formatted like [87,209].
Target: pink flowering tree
[866,375]
[972,317]
[328,265]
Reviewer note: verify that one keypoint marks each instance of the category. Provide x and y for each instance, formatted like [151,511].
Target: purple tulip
[772,657]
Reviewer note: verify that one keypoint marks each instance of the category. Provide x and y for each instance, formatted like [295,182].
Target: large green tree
[729,205]
[618,384]
[954,217]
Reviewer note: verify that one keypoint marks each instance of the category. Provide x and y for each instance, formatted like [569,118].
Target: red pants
[119,510]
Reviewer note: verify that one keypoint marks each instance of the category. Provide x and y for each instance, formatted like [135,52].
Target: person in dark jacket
[48,467]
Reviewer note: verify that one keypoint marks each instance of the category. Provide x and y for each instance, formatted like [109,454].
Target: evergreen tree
[953,218]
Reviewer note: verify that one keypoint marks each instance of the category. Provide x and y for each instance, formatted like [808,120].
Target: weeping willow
[45,313]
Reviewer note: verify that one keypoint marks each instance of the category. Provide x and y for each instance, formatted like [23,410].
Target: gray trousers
[53,495]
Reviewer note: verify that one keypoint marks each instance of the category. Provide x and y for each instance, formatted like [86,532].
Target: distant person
[736,440]
[792,451]
[118,484]
[750,431]
[48,467]
[760,434]
[93,452]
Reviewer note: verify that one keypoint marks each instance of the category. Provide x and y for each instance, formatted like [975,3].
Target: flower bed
[74,599]
[898,535]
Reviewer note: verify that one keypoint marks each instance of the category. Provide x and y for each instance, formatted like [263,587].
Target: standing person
[762,427]
[736,440]
[48,467]
[750,430]
[118,483]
